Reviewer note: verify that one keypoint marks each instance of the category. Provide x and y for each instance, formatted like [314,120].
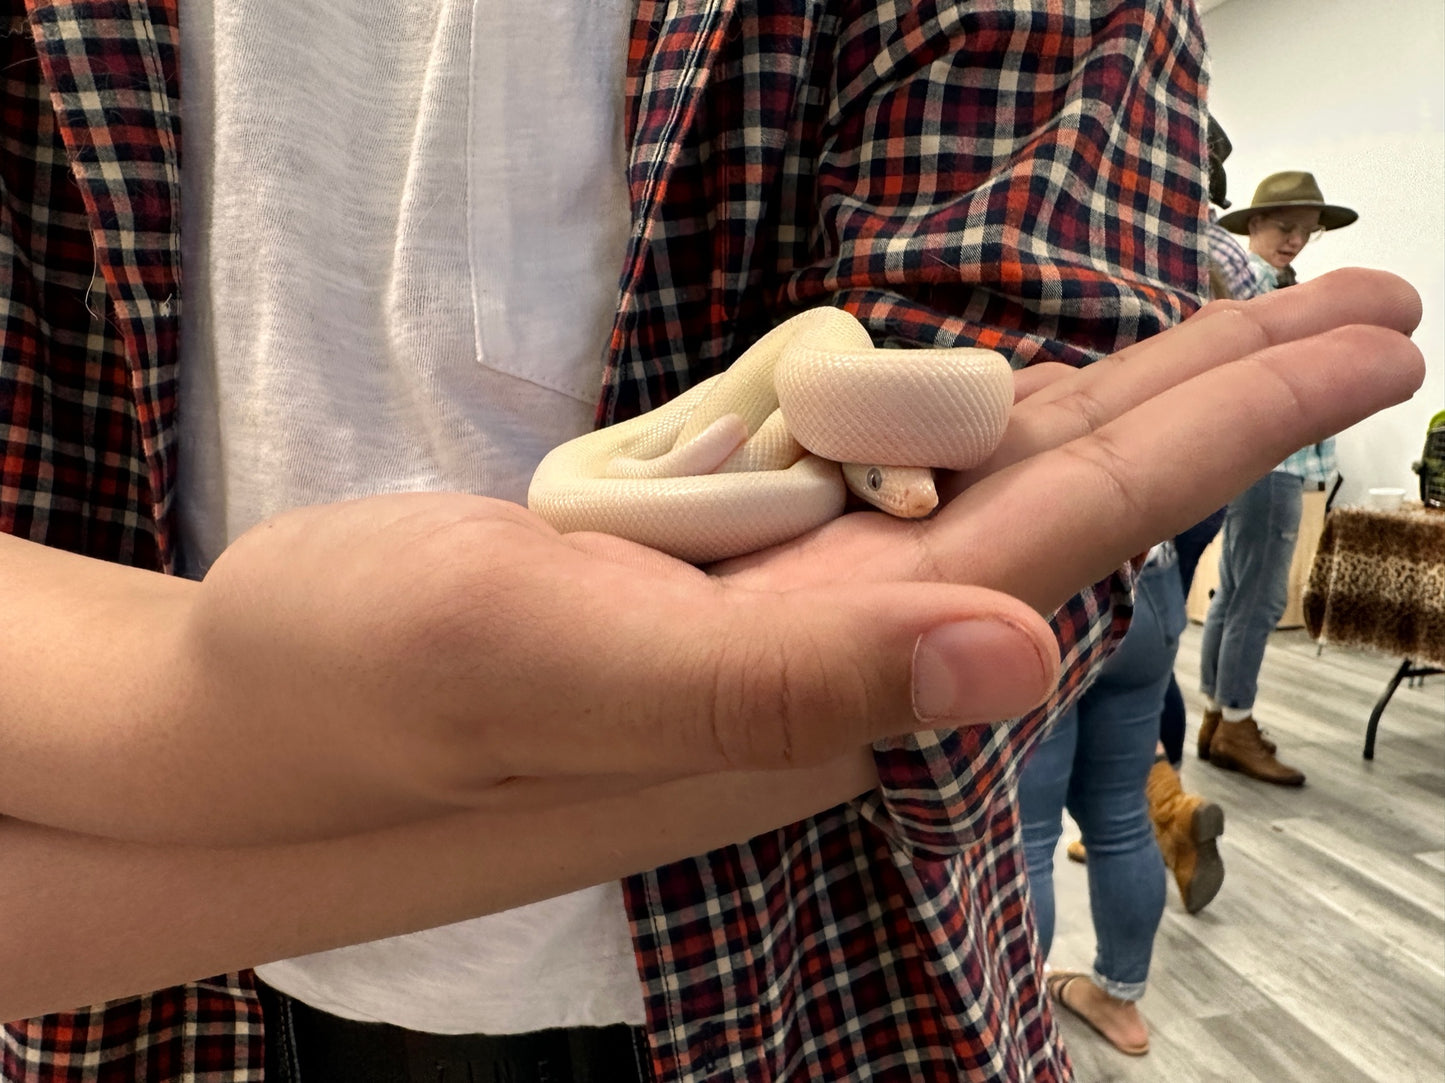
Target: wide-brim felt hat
[1289,189]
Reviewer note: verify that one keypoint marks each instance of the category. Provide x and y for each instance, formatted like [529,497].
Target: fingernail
[976,671]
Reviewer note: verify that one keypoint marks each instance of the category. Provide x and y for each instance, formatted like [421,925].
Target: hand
[1102,462]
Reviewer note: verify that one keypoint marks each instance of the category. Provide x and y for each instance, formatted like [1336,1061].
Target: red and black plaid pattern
[1020,176]
[951,173]
[112,74]
[842,948]
[72,475]
[89,260]
[205,1032]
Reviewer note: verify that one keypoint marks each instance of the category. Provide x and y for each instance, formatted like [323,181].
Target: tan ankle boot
[1238,746]
[1210,722]
[1207,726]
[1186,826]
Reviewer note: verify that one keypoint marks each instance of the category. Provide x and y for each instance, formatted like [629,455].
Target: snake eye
[875,479]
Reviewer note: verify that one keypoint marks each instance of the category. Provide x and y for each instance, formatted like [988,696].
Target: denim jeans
[1260,529]
[1095,763]
[1190,544]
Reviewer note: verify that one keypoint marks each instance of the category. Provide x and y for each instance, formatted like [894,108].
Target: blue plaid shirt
[1315,463]
[1233,261]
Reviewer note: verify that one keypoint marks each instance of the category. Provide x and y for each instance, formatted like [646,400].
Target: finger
[1064,409]
[1342,298]
[685,678]
[1351,295]
[1163,465]
[1036,378]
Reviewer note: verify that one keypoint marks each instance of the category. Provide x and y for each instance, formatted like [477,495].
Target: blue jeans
[1095,763]
[1190,544]
[1260,529]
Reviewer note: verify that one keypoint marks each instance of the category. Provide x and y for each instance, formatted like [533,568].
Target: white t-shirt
[403,224]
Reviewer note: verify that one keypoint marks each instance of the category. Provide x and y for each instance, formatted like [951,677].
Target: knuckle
[1239,323]
[779,701]
[1085,410]
[1218,306]
[1110,470]
[1278,400]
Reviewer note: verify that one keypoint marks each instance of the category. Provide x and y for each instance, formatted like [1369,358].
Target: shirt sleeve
[1233,263]
[1266,278]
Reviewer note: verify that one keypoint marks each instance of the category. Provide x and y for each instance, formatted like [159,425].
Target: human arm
[356,665]
[363,664]
[84,919]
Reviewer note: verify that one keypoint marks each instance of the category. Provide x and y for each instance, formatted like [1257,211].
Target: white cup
[1386,499]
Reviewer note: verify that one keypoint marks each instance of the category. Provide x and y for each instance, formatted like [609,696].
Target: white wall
[1354,92]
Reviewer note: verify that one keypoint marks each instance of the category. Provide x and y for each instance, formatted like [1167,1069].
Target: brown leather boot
[1207,726]
[1210,722]
[1237,746]
[1186,826]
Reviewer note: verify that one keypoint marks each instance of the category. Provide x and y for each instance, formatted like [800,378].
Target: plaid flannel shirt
[1314,464]
[980,173]
[1232,261]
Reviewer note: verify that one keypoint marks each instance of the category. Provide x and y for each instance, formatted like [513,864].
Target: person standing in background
[1262,524]
[1098,761]
[1187,825]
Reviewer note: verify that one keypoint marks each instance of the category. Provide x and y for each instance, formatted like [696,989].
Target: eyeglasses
[1294,229]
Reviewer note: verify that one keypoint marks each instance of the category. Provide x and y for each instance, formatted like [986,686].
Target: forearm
[126,712]
[147,707]
[92,684]
[350,667]
[84,919]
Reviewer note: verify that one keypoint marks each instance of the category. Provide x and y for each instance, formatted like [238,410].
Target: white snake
[758,454]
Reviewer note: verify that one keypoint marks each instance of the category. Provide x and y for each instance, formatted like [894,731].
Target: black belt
[307,1045]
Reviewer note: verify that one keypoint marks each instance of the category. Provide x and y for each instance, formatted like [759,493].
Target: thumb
[757,679]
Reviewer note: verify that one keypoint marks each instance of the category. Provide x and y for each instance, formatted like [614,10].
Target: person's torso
[403,229]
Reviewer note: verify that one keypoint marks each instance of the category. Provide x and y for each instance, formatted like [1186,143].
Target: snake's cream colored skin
[756,455]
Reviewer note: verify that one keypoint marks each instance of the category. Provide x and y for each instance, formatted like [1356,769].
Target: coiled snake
[766,450]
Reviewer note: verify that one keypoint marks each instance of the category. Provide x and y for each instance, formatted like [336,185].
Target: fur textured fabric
[1378,581]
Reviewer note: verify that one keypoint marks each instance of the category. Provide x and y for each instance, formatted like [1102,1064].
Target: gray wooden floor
[1323,957]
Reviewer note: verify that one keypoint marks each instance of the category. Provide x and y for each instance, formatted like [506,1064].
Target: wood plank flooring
[1323,958]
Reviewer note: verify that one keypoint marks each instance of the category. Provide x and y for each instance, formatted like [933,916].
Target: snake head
[905,491]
